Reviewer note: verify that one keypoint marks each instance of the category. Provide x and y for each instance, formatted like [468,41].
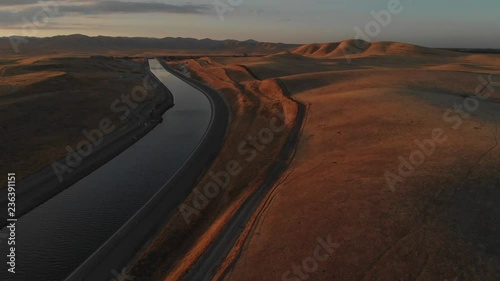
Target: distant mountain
[136,45]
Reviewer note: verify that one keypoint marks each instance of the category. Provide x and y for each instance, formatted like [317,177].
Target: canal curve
[56,238]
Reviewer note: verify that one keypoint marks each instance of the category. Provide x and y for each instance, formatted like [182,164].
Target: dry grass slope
[358,48]
[253,103]
[365,114]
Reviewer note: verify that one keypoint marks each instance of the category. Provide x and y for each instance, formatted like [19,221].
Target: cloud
[107,7]
[15,12]
[18,2]
[38,2]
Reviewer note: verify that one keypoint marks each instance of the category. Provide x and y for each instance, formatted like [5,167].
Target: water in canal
[56,237]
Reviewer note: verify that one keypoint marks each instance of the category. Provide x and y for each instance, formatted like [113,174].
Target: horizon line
[246,40]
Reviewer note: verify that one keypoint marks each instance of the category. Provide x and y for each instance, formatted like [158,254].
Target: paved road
[209,262]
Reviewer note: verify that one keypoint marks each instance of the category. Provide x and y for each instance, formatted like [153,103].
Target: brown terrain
[46,102]
[367,112]
[439,223]
[253,105]
[371,111]
[53,88]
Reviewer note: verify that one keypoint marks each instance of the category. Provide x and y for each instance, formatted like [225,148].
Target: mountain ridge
[78,43]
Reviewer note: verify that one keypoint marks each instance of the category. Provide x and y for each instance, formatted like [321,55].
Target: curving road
[208,264]
[98,224]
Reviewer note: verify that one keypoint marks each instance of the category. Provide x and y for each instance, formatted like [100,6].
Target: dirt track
[360,122]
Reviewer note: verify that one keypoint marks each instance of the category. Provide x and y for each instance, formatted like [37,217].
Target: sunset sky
[444,23]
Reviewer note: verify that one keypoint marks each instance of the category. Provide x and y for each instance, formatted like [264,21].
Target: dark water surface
[56,237]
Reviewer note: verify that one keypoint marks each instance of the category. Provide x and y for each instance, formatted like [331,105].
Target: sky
[442,23]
